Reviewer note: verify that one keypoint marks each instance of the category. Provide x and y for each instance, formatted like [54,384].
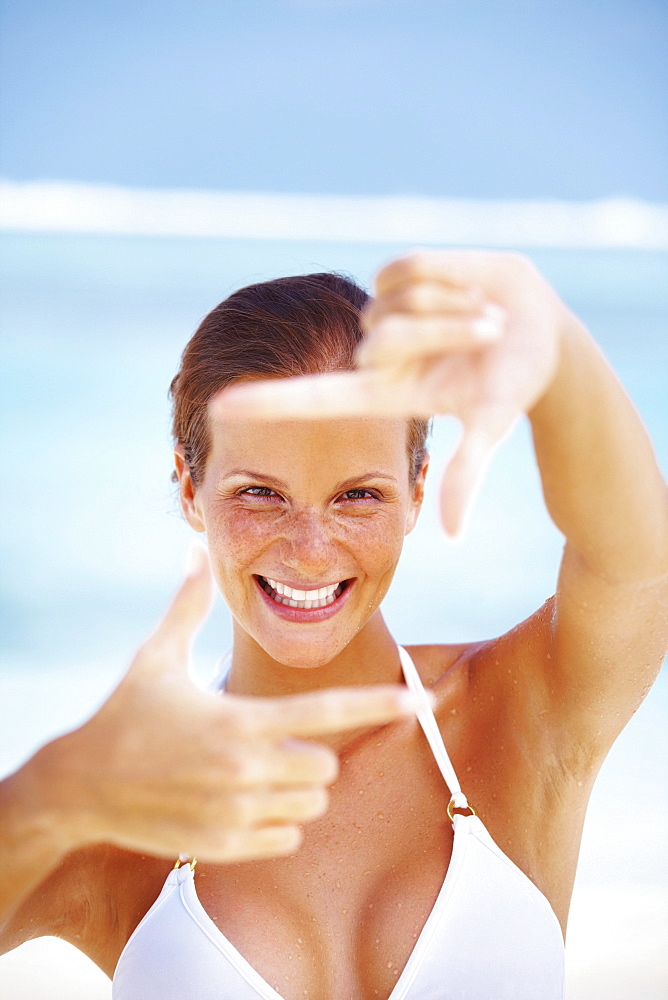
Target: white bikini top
[491,934]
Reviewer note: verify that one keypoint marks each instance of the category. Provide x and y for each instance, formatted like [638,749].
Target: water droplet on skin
[380,816]
[338,883]
[389,965]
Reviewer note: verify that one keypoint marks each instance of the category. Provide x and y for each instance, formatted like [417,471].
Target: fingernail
[414,702]
[489,325]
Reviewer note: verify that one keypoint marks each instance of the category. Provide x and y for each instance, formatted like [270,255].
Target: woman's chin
[301,656]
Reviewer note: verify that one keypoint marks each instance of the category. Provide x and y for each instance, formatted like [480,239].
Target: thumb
[169,645]
[465,471]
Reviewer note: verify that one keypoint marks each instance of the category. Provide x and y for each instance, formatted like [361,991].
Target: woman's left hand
[473,334]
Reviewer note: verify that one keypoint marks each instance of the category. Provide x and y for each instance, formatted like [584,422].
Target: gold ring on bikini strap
[452,807]
[192,863]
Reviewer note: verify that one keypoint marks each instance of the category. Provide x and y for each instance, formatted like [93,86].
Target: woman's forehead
[350,446]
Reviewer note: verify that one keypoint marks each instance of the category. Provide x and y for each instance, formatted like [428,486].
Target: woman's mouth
[290,597]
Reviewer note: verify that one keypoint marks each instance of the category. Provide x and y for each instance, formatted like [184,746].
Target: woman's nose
[308,546]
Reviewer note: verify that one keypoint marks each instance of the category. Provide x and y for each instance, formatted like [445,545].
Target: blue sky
[463,98]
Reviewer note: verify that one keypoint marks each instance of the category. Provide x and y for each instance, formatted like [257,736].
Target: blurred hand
[473,334]
[164,767]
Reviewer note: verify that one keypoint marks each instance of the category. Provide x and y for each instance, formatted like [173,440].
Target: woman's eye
[257,491]
[359,495]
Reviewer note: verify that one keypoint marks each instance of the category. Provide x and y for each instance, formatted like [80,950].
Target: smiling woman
[306,487]
[329,511]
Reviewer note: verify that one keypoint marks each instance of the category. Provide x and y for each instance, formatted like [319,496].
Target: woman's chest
[341,917]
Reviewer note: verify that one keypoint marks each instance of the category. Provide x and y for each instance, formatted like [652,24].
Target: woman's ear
[187,490]
[415,504]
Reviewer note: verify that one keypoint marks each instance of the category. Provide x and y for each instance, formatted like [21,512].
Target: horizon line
[109,209]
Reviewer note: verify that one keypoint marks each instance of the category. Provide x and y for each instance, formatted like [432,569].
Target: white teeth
[305,599]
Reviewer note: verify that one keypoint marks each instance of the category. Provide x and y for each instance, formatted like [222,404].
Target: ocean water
[92,544]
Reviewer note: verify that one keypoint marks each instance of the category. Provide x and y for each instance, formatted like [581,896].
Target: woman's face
[305,522]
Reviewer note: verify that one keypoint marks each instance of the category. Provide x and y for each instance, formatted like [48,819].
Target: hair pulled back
[301,325]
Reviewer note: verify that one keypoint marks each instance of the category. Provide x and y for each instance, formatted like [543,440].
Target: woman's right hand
[164,767]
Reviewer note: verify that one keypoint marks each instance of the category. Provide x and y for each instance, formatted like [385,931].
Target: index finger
[315,397]
[454,268]
[334,709]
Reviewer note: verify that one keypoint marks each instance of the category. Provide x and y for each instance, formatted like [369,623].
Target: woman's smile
[310,605]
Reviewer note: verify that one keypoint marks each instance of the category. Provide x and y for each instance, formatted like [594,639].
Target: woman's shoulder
[481,660]
[444,663]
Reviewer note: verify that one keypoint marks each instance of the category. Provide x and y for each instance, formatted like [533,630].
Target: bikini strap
[425,716]
[218,682]
[427,720]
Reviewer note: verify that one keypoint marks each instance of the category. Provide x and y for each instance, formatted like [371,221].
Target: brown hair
[299,325]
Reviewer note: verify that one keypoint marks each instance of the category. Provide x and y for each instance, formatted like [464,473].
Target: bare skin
[527,718]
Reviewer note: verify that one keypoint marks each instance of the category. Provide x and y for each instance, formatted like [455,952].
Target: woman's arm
[604,491]
[164,767]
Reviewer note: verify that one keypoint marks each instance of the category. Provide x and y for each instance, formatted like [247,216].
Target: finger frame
[398,338]
[332,710]
[318,397]
[424,298]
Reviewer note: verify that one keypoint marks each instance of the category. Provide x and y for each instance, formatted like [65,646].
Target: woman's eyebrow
[364,477]
[281,485]
[250,474]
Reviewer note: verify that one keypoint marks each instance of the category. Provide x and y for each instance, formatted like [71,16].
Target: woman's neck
[371,657]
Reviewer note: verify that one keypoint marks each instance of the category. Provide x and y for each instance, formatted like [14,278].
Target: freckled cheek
[235,543]
[376,544]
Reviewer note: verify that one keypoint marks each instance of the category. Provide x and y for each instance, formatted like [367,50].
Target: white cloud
[52,206]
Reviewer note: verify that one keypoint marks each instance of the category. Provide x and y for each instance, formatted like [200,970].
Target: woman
[305,488]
